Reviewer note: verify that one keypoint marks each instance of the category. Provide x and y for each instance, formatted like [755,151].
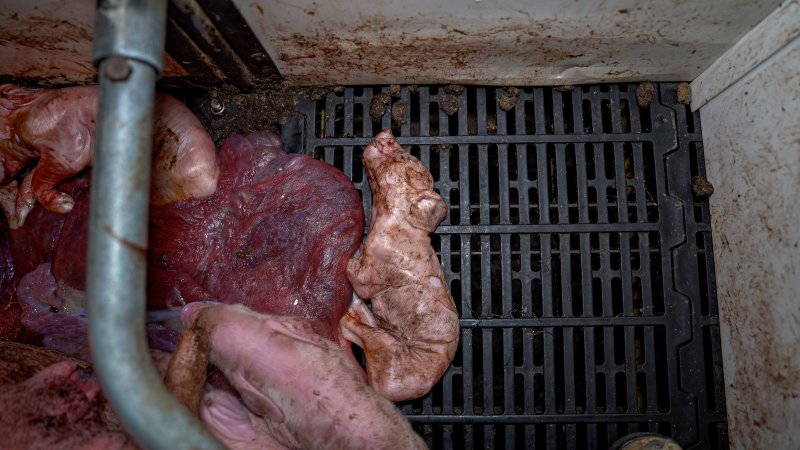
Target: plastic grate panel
[579,260]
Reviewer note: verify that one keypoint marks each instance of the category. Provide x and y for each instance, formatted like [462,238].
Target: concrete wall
[751,138]
[501,42]
[51,41]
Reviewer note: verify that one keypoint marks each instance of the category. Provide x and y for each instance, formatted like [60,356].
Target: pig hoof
[62,204]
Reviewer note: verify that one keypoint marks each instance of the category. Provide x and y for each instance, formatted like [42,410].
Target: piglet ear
[256,400]
[297,329]
[227,417]
[427,210]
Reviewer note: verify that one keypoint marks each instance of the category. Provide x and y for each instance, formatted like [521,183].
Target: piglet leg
[186,373]
[17,200]
[14,158]
[53,169]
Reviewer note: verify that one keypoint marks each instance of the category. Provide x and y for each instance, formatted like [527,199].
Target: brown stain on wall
[751,136]
[764,375]
[606,44]
[41,32]
[53,51]
[458,54]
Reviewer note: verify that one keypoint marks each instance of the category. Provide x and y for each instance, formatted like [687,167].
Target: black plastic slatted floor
[578,257]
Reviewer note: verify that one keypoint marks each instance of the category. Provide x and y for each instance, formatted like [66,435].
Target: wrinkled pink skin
[298,390]
[58,127]
[58,407]
[411,333]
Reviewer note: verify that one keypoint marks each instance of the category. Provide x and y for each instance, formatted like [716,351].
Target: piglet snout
[381,146]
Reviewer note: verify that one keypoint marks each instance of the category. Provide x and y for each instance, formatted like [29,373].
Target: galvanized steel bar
[129,43]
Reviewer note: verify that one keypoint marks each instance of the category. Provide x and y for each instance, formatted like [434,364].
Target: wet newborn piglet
[57,127]
[411,333]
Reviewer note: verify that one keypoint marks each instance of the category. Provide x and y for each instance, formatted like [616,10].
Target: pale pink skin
[58,127]
[298,389]
[411,333]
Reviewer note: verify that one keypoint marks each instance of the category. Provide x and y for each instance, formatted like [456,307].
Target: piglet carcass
[411,333]
[58,128]
[297,389]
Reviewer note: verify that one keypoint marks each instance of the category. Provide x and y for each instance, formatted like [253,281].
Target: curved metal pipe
[129,43]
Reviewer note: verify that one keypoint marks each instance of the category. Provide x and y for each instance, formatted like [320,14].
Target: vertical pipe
[129,42]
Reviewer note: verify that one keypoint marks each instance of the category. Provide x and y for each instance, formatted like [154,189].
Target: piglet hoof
[57,202]
[8,200]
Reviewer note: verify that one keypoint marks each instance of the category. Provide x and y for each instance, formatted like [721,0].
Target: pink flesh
[58,128]
[411,333]
[184,157]
[303,387]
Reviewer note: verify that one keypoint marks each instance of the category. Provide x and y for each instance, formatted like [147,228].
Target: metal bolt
[217,107]
[117,68]
[258,57]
